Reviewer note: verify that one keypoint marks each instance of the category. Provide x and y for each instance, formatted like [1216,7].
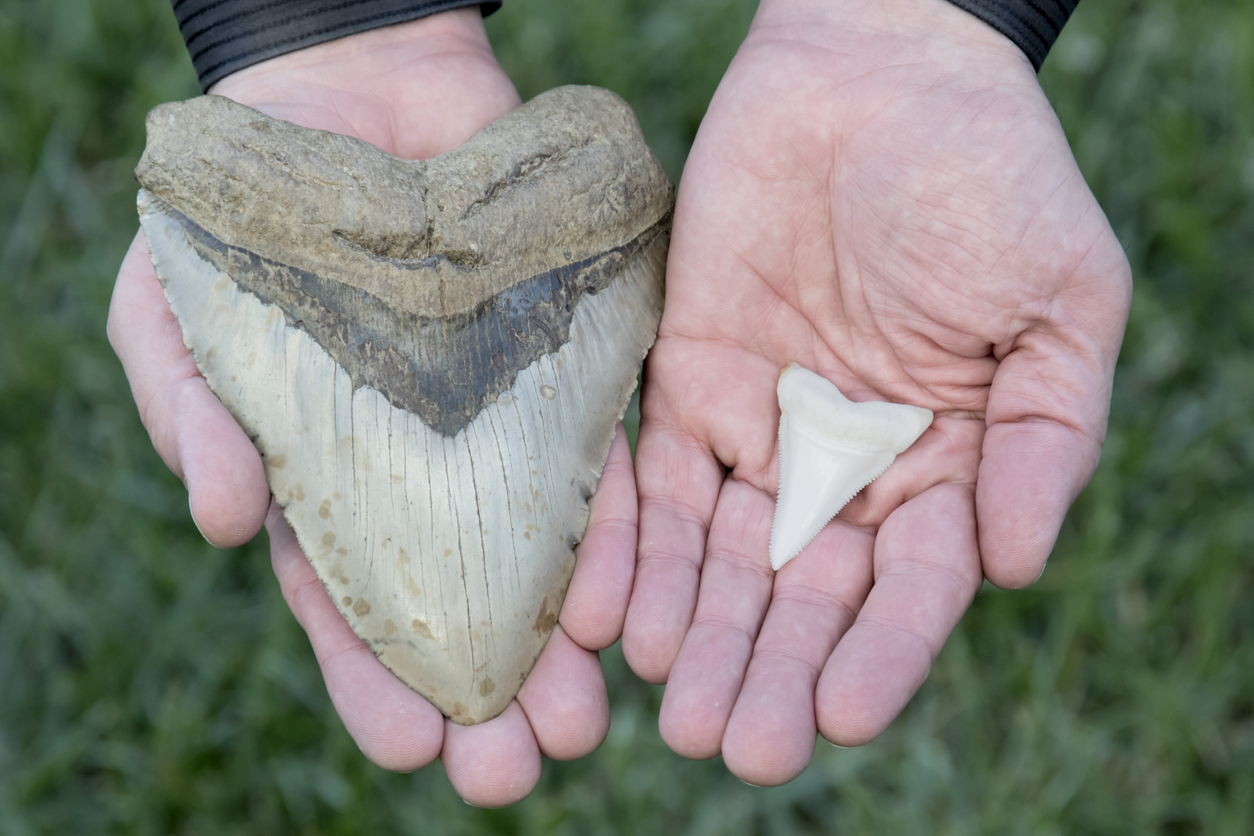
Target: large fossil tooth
[430,356]
[829,449]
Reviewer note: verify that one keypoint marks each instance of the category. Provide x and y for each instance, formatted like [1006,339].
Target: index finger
[191,430]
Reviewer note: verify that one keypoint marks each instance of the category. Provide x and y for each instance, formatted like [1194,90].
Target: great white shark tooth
[829,449]
[430,356]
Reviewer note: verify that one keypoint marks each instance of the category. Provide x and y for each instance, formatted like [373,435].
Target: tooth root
[829,449]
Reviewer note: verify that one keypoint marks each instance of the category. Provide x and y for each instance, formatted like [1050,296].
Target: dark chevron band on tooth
[443,369]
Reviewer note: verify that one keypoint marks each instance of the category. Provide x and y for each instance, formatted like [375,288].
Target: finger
[1046,422]
[190,429]
[678,481]
[735,589]
[393,726]
[596,602]
[226,482]
[770,735]
[927,570]
[565,701]
[494,763]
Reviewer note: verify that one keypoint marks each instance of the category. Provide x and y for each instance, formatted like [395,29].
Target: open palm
[415,90]
[887,199]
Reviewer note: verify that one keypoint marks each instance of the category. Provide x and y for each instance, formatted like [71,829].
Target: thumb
[1046,416]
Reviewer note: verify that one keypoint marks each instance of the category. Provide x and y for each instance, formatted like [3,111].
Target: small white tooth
[829,449]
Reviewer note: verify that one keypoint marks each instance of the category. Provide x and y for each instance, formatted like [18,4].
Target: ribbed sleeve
[1033,25]
[223,36]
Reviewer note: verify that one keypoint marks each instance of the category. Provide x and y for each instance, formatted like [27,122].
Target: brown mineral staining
[324,510]
[546,620]
[389,626]
[361,607]
[277,462]
[421,628]
[486,686]
[346,601]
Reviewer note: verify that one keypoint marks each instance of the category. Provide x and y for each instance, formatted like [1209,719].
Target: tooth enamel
[829,449]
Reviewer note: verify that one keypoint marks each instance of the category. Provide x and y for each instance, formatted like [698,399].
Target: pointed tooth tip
[779,554]
[779,557]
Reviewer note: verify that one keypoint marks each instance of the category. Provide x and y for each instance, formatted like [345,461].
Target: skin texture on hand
[880,192]
[415,90]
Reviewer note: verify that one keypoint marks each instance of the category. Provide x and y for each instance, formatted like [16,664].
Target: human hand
[881,193]
[416,90]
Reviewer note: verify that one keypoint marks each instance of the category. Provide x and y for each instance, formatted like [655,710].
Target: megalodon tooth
[430,356]
[829,449]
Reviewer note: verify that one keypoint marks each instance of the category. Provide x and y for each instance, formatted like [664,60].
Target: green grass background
[150,684]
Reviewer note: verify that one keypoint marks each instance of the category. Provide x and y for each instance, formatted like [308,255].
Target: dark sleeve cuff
[1033,25]
[223,36]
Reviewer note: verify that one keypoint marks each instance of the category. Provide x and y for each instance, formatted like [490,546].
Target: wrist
[358,61]
[890,31]
[414,89]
